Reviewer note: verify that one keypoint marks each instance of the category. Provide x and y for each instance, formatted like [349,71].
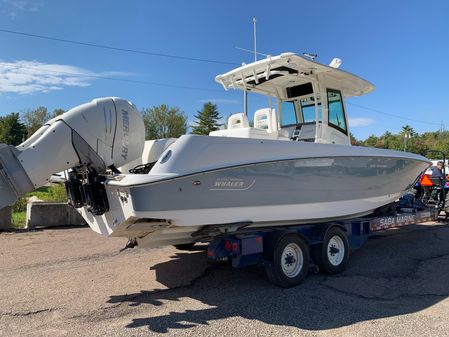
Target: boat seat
[265,126]
[265,119]
[238,120]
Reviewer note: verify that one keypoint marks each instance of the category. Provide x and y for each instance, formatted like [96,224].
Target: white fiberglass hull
[211,181]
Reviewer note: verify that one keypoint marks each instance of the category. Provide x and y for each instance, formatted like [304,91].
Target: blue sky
[400,46]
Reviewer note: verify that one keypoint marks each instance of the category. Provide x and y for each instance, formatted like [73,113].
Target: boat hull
[279,193]
[217,181]
[304,190]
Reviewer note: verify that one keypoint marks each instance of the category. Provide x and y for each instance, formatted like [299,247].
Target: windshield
[336,110]
[289,115]
[300,111]
[308,110]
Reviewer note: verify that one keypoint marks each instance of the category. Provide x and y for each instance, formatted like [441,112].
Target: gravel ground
[73,282]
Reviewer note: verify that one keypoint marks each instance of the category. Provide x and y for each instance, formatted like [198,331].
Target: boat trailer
[289,253]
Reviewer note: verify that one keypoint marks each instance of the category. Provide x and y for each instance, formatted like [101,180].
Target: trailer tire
[289,261]
[333,254]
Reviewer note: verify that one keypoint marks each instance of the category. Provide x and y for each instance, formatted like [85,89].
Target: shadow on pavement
[401,272]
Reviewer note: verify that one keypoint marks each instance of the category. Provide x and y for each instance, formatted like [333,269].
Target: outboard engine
[92,139]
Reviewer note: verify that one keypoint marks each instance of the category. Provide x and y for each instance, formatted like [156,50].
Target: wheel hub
[292,260]
[335,250]
[289,259]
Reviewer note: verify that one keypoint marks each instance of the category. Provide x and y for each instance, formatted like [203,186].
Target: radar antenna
[310,56]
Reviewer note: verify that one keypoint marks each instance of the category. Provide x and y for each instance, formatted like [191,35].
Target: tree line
[16,127]
[163,121]
[409,140]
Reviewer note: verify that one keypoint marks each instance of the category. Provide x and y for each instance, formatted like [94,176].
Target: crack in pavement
[408,273]
[351,294]
[405,279]
[379,298]
[56,264]
[90,313]
[28,313]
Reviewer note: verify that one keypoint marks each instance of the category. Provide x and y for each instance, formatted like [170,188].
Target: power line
[114,78]
[393,115]
[135,51]
[193,88]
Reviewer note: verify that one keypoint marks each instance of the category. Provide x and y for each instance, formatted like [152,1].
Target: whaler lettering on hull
[225,184]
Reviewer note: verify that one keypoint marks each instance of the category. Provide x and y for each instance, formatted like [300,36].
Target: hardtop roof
[273,75]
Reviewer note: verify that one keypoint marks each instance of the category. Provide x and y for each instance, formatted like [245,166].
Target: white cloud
[220,100]
[360,121]
[29,77]
[12,7]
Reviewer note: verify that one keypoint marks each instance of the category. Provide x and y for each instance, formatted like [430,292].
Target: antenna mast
[255,40]
[245,93]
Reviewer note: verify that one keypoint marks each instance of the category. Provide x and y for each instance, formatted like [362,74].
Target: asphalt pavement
[73,282]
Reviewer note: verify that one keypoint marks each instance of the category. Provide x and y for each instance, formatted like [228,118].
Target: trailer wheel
[333,254]
[290,261]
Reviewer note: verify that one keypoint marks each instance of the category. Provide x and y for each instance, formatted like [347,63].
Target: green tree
[418,146]
[354,141]
[371,141]
[407,133]
[416,143]
[207,120]
[391,141]
[407,129]
[163,121]
[57,112]
[34,119]
[12,130]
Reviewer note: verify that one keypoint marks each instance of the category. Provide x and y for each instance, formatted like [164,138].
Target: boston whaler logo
[125,138]
[232,184]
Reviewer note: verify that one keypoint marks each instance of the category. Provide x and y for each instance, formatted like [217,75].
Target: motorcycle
[434,191]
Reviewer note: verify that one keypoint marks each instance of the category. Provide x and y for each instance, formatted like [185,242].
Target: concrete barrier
[5,217]
[51,214]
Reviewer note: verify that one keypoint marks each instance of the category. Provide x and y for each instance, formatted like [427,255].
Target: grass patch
[19,219]
[52,193]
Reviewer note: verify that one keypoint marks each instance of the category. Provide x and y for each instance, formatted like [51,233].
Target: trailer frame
[317,247]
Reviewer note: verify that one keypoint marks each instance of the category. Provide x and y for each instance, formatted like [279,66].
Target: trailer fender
[339,225]
[320,232]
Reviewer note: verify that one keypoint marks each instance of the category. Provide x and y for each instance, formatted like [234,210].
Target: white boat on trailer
[294,166]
